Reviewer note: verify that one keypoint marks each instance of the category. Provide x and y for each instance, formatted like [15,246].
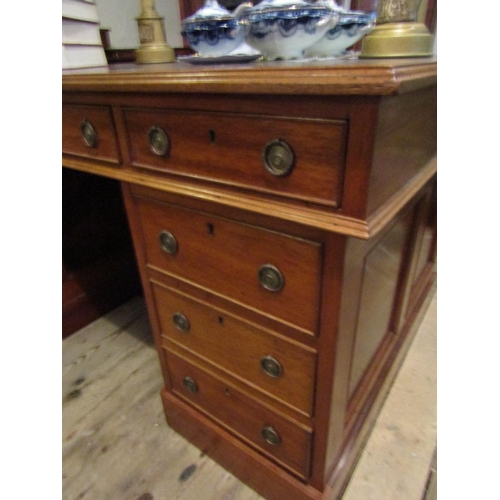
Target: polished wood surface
[106,147]
[347,238]
[242,415]
[336,77]
[380,276]
[224,256]
[263,476]
[238,347]
[406,138]
[359,433]
[354,207]
[212,146]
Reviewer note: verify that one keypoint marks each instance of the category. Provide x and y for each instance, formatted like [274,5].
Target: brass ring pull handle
[181,322]
[89,134]
[190,385]
[159,142]
[270,278]
[168,243]
[278,158]
[271,366]
[271,436]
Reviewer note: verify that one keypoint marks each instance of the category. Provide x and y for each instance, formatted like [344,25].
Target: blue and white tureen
[213,31]
[352,26]
[284,29]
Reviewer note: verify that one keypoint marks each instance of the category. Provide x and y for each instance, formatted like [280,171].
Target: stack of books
[81,39]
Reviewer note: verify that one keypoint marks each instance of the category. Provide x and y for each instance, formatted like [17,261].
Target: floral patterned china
[283,29]
[352,26]
[213,31]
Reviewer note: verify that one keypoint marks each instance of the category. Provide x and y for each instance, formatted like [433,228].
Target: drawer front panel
[276,366]
[290,443]
[226,257]
[228,148]
[89,131]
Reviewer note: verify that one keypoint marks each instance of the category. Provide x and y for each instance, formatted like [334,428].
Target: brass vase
[154,48]
[400,31]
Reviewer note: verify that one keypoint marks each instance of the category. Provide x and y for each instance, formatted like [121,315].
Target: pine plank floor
[116,444]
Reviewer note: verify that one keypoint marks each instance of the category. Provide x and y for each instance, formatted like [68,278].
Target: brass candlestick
[154,48]
[400,31]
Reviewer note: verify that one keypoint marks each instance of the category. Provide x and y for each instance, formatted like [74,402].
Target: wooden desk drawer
[276,366]
[228,149]
[230,259]
[242,415]
[89,131]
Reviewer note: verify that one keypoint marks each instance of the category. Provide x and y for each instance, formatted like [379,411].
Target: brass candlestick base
[155,54]
[406,39]
[154,48]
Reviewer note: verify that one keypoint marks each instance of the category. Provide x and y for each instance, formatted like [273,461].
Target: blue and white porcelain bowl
[213,31]
[281,29]
[352,26]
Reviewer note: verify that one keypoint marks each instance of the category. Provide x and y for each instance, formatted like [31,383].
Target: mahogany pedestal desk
[283,219]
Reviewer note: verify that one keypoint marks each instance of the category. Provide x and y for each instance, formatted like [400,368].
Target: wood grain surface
[228,223]
[243,416]
[372,77]
[228,148]
[106,147]
[237,347]
[367,153]
[225,256]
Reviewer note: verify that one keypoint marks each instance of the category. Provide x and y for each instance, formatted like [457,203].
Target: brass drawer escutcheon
[190,385]
[181,322]
[89,134]
[159,142]
[278,158]
[271,436]
[168,242]
[270,278]
[271,366]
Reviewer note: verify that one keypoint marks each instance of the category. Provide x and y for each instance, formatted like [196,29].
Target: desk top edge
[336,77]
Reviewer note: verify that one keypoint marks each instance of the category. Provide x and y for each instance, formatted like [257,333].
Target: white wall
[119,16]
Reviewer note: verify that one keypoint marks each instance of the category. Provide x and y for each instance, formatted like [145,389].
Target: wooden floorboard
[116,443]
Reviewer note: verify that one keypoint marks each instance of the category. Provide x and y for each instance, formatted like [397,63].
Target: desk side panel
[406,140]
[375,319]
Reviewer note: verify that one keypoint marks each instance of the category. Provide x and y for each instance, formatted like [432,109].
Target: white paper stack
[81,40]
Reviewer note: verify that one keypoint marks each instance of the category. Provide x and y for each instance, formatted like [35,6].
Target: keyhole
[228,392]
[210,228]
[211,134]
[221,320]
